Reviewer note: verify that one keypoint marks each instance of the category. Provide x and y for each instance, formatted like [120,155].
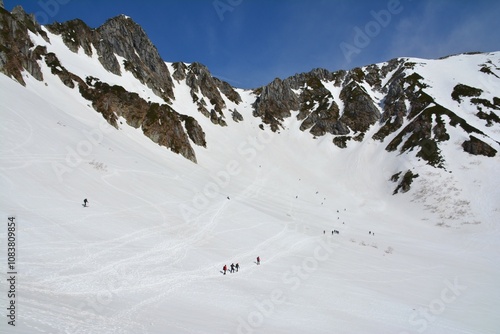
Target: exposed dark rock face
[319,109]
[316,105]
[237,117]
[490,117]
[119,35]
[298,80]
[397,65]
[421,133]
[395,109]
[164,126]
[125,38]
[66,77]
[201,82]
[476,146]
[75,34]
[405,184]
[359,111]
[180,70]
[114,101]
[391,98]
[227,90]
[461,90]
[203,87]
[194,131]
[306,93]
[275,102]
[486,68]
[404,99]
[341,141]
[160,123]
[16,52]
[373,77]
[417,97]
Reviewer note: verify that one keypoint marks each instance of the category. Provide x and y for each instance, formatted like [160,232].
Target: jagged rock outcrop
[194,130]
[426,130]
[201,82]
[394,107]
[164,126]
[68,78]
[298,80]
[227,90]
[75,34]
[400,90]
[359,110]
[395,65]
[275,102]
[405,183]
[301,92]
[237,117]
[118,36]
[127,39]
[204,87]
[486,108]
[476,146]
[16,49]
[489,116]
[319,110]
[461,90]
[317,107]
[160,123]
[390,102]
[180,70]
[123,37]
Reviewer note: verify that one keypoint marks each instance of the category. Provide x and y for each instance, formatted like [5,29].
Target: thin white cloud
[428,34]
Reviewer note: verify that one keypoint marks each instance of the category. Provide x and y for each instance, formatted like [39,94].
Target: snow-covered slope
[146,255]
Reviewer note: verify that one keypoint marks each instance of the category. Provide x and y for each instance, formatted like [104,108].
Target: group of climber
[236,267]
[233,268]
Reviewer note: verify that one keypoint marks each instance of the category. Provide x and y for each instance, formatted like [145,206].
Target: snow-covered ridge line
[372,102]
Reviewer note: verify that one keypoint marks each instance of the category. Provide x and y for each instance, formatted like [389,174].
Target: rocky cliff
[392,103]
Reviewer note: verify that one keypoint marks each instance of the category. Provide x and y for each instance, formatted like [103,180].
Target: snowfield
[146,256]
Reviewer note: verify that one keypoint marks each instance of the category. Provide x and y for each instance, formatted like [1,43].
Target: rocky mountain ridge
[391,103]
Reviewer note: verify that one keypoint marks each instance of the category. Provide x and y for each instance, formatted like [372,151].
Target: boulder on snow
[476,146]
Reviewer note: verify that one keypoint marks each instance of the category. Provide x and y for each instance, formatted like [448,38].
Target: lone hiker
[232,268]
[237,267]
[258,260]
[85,202]
[224,269]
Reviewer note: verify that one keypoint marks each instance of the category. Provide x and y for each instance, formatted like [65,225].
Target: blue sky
[248,43]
